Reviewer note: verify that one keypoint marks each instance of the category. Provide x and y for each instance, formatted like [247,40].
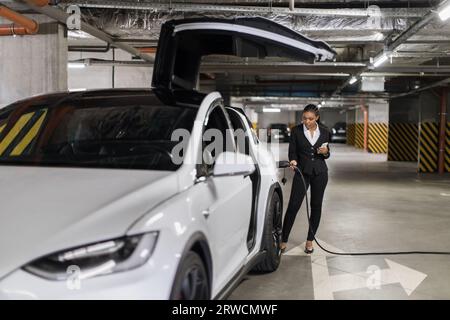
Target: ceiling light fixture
[380,60]
[76,65]
[353,80]
[271,110]
[444,13]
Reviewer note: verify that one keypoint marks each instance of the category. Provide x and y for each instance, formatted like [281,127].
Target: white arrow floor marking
[325,285]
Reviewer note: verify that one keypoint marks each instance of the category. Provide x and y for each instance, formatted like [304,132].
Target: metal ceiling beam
[61,16]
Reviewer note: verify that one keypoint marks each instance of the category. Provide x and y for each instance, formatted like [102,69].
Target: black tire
[271,237]
[191,281]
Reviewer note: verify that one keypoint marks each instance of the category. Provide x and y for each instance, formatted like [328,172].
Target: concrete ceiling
[358,30]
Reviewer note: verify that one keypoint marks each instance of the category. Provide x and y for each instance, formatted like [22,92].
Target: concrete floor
[370,205]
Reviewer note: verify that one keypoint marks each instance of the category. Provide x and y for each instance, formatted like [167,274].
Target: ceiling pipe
[13,30]
[258,9]
[61,16]
[39,3]
[401,39]
[21,26]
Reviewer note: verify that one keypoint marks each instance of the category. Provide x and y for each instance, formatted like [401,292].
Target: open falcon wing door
[182,44]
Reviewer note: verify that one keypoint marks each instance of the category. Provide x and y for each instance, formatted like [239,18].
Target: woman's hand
[322,150]
[293,164]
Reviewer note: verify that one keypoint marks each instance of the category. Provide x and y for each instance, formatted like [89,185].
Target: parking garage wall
[329,117]
[266,119]
[414,131]
[105,77]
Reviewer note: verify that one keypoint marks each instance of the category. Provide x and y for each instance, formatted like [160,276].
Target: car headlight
[333,130]
[96,259]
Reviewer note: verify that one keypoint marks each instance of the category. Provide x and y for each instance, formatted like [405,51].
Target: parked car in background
[278,132]
[339,132]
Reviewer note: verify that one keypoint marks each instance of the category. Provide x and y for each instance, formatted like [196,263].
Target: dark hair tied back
[312,108]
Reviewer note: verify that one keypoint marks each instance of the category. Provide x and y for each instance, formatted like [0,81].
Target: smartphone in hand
[325,144]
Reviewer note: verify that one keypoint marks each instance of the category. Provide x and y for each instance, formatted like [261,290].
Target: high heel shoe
[309,251]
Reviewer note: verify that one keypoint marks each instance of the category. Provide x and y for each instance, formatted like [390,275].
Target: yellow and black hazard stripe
[359,135]
[378,137]
[428,147]
[447,148]
[403,142]
[351,134]
[20,137]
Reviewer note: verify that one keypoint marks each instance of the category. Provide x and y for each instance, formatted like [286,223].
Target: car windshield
[129,132]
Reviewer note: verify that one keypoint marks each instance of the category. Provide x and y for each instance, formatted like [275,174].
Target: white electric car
[117,194]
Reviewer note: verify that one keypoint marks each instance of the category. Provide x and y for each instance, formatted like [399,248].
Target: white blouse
[315,136]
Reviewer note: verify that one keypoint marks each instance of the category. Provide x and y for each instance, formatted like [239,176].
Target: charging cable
[356,253]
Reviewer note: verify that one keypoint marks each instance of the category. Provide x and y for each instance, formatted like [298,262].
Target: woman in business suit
[308,149]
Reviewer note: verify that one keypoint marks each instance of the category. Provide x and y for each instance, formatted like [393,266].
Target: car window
[215,132]
[250,125]
[118,132]
[240,132]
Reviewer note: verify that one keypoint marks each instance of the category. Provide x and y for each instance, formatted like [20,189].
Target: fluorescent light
[76,65]
[77,90]
[319,106]
[444,14]
[271,110]
[378,36]
[353,80]
[323,103]
[379,61]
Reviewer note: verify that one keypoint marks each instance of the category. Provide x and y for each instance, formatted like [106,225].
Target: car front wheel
[272,237]
[191,281]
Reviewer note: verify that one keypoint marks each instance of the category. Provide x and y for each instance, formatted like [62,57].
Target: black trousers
[318,184]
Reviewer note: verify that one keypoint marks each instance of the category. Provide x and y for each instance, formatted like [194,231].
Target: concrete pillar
[429,132]
[32,65]
[442,130]
[403,139]
[350,120]
[359,127]
[378,127]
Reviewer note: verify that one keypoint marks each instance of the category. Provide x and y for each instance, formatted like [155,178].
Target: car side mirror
[233,164]
[283,164]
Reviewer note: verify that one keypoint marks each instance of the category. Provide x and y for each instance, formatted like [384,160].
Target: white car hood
[44,210]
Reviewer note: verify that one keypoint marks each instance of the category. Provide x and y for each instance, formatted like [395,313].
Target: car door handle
[206,213]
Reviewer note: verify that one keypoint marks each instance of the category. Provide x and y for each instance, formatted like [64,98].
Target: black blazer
[301,150]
